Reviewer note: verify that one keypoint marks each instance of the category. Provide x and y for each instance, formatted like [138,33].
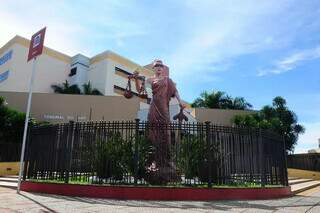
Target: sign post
[35,49]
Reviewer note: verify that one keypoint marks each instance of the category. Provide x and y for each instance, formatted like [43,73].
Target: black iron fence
[10,152]
[161,154]
[310,161]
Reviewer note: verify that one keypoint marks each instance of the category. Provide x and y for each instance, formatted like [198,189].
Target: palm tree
[88,90]
[58,88]
[214,99]
[65,88]
[239,103]
[220,100]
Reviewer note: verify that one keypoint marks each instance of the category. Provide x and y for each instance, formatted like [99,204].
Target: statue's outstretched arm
[181,104]
[150,80]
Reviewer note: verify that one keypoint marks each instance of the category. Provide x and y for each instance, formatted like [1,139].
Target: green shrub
[190,155]
[115,156]
[109,159]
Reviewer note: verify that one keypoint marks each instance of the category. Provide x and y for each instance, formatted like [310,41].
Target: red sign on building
[36,44]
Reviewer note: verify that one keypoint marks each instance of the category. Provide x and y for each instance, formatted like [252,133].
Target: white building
[106,72]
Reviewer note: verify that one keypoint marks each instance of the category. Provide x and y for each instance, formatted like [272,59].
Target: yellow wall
[9,168]
[217,116]
[26,42]
[62,107]
[304,174]
[49,70]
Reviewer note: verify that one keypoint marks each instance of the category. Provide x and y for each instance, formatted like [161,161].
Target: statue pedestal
[163,174]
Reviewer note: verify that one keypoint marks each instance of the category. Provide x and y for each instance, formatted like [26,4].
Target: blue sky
[255,49]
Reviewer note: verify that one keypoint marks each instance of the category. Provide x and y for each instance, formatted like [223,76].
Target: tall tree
[12,124]
[239,103]
[220,100]
[88,90]
[66,88]
[278,118]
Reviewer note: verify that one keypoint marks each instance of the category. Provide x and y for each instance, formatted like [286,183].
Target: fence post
[136,153]
[209,150]
[285,169]
[70,139]
[262,162]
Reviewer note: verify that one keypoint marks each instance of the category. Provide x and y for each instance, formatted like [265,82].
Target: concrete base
[156,193]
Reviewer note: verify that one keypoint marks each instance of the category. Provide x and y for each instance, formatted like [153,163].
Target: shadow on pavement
[271,205]
[40,204]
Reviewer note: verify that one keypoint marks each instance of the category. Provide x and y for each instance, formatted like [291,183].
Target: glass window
[73,71]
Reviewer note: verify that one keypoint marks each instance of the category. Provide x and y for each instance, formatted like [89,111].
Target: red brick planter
[156,193]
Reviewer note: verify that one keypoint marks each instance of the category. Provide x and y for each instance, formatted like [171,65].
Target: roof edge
[26,43]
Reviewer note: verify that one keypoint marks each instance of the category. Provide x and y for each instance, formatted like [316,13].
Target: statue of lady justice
[163,89]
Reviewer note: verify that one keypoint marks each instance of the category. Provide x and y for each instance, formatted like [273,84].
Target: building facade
[106,72]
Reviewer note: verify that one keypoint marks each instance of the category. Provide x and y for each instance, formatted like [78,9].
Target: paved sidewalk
[10,201]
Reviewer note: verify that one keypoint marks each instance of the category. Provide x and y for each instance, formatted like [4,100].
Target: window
[6,57]
[73,71]
[122,71]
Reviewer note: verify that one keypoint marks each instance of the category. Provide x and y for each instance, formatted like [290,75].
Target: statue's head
[160,69]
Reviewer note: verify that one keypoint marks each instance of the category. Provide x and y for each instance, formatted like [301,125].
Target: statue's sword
[180,117]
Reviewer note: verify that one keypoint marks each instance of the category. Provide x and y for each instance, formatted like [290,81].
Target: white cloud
[25,20]
[220,31]
[71,28]
[193,36]
[289,63]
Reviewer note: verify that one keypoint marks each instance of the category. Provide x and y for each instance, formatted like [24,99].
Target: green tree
[66,88]
[220,100]
[211,100]
[278,117]
[239,103]
[88,90]
[12,124]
